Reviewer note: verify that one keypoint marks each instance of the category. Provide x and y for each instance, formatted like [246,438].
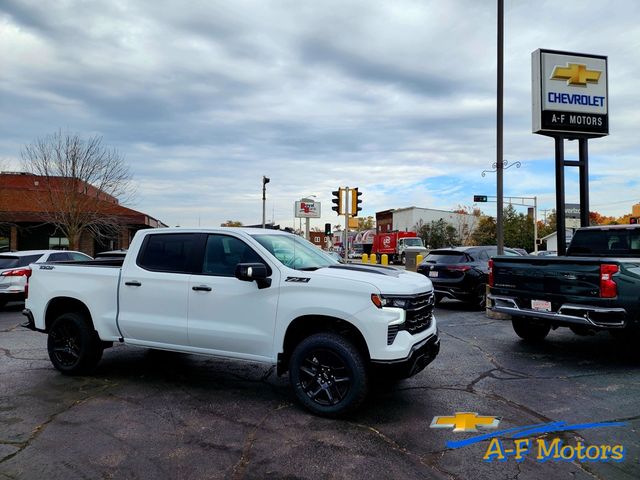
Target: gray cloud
[397,98]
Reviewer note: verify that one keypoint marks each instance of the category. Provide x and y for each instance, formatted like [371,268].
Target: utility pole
[265,180]
[499,139]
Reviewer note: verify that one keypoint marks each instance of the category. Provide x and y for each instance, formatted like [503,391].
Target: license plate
[541,305]
[433,274]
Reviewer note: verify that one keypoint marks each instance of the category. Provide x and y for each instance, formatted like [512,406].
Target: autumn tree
[465,222]
[366,223]
[82,181]
[231,223]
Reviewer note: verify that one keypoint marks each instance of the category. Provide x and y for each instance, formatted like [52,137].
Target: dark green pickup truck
[596,286]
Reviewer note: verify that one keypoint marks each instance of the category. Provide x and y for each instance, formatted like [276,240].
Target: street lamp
[265,180]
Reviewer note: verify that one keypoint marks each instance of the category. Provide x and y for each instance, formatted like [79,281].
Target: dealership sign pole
[570,102]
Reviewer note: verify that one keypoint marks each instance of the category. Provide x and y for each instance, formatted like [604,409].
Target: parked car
[461,273]
[14,269]
[547,253]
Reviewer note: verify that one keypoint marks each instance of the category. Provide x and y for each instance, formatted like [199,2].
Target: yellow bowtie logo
[576,74]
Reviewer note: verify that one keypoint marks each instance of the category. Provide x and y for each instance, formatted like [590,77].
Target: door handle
[133,283]
[201,288]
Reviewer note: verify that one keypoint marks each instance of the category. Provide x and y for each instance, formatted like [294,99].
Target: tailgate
[530,277]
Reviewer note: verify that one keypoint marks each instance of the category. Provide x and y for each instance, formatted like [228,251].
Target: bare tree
[81,184]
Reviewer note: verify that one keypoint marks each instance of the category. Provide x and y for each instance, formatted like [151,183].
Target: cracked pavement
[147,414]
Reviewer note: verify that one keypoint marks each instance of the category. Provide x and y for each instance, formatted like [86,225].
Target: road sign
[307,209]
[479,198]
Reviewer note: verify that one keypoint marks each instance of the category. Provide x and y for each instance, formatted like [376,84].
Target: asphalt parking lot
[145,414]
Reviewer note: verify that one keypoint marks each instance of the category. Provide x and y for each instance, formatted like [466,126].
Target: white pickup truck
[248,294]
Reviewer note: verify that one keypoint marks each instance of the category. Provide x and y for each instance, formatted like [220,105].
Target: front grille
[418,318]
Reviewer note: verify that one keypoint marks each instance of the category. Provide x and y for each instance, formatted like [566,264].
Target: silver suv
[14,269]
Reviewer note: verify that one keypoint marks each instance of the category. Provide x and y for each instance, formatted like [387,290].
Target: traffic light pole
[486,198]
[345,243]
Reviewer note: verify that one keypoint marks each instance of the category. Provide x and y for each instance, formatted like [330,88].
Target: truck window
[168,253]
[605,242]
[223,253]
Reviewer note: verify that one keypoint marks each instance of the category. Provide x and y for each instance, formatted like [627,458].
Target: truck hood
[388,280]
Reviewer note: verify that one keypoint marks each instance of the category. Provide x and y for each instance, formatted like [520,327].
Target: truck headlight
[397,302]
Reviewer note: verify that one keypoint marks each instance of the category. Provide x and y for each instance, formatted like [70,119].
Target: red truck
[394,244]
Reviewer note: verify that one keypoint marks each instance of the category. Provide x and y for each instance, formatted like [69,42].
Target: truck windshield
[413,242]
[295,252]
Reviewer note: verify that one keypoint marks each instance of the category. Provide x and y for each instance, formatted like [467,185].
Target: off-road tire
[328,375]
[73,345]
[480,297]
[530,330]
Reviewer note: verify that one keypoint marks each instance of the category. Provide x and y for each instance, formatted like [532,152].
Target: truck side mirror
[249,272]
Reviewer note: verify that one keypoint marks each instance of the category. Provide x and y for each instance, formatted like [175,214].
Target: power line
[615,203]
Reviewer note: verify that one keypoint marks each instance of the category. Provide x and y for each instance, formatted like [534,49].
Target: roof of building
[25,198]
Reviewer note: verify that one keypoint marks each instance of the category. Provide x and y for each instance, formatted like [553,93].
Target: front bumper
[421,355]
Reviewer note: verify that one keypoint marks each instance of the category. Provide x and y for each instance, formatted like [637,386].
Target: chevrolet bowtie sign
[569,93]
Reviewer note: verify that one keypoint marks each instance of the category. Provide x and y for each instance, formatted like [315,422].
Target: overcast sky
[398,98]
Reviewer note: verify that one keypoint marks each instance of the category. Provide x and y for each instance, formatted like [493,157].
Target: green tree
[518,229]
[438,234]
[485,232]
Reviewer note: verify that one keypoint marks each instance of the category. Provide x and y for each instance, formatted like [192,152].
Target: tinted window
[168,253]
[58,257]
[78,256]
[446,257]
[223,253]
[8,262]
[27,259]
[482,255]
[605,242]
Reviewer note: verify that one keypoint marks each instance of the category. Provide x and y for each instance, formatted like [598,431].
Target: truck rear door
[154,288]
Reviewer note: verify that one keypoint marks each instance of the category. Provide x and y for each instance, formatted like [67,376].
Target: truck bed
[57,282]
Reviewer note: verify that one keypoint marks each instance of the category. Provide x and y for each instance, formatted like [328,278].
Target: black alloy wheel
[328,374]
[530,330]
[74,347]
[324,377]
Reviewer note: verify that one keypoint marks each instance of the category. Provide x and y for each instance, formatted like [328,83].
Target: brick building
[24,218]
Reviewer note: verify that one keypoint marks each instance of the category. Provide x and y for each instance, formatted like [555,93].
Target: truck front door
[228,316]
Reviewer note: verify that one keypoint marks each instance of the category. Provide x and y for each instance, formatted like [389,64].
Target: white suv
[14,269]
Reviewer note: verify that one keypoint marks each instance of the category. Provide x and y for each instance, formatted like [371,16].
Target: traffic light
[634,220]
[355,202]
[479,198]
[337,201]
[327,229]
